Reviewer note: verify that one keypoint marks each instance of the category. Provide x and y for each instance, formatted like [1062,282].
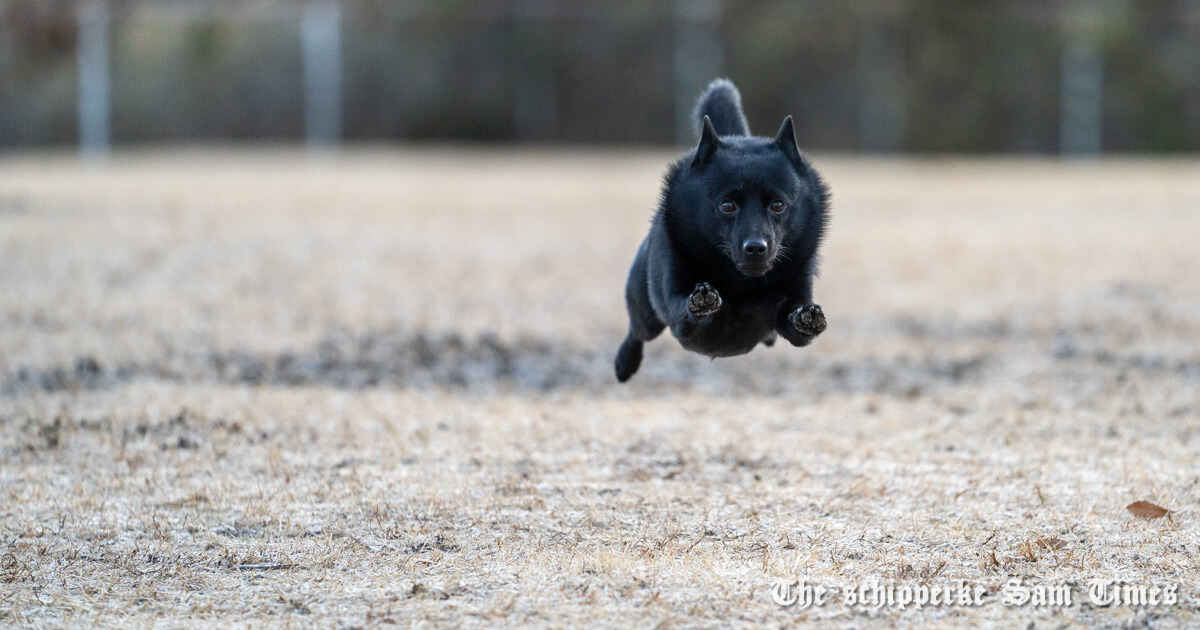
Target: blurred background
[1019,76]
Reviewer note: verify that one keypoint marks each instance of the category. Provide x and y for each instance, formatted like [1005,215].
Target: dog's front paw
[704,300]
[808,320]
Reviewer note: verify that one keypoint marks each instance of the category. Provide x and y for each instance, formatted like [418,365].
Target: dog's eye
[727,207]
[777,206]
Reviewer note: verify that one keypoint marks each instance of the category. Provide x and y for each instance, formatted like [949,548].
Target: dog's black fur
[732,251]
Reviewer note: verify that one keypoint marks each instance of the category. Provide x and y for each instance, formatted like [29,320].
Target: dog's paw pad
[808,320]
[704,300]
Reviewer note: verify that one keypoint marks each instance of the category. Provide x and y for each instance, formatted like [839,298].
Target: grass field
[253,387]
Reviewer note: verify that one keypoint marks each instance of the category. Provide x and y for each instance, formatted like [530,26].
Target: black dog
[731,254]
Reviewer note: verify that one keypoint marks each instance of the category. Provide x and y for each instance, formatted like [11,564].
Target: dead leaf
[1052,543]
[1146,509]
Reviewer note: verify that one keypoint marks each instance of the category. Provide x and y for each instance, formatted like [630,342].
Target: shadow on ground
[394,358]
[419,360]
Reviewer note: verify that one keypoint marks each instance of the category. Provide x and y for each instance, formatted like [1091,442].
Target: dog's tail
[722,103]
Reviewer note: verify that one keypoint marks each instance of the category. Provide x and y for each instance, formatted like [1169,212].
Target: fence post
[882,110]
[321,37]
[95,90]
[1082,83]
[535,88]
[698,59]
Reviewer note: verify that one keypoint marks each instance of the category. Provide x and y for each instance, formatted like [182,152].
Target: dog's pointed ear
[708,144]
[786,141]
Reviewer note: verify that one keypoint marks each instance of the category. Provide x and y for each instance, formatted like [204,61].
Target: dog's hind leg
[629,358]
[644,324]
[629,355]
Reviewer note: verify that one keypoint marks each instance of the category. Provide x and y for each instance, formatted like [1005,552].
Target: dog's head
[751,198]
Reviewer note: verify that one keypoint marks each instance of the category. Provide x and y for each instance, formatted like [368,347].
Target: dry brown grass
[243,387]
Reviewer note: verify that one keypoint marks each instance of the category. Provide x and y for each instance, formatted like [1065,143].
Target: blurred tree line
[887,75]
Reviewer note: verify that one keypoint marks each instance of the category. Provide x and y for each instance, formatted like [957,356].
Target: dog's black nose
[755,246]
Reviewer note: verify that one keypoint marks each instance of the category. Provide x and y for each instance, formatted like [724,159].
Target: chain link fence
[888,76]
